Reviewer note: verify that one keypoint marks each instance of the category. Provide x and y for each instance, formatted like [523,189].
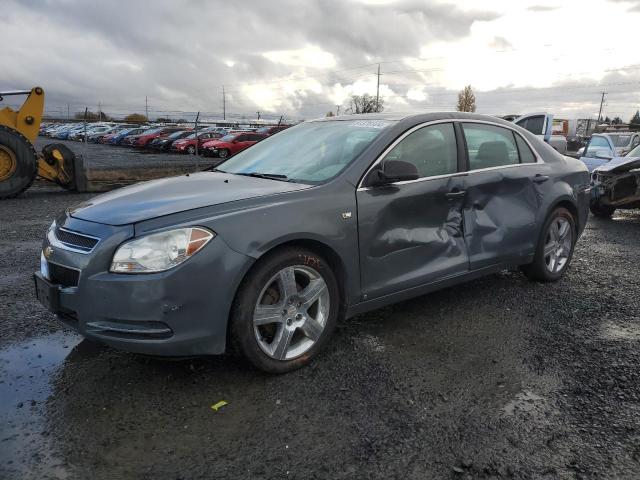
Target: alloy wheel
[558,244]
[291,312]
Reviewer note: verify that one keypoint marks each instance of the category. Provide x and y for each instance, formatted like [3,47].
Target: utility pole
[146,107]
[196,132]
[68,112]
[258,115]
[601,103]
[337,110]
[224,105]
[378,91]
[99,112]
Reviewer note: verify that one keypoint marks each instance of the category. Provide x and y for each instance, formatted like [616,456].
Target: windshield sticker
[369,123]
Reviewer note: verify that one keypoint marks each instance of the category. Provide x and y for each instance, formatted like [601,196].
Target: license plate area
[47,293]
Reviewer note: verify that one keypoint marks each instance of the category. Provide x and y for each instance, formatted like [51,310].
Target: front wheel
[191,149]
[224,153]
[555,247]
[285,310]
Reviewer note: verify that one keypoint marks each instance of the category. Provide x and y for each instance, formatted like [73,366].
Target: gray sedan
[328,219]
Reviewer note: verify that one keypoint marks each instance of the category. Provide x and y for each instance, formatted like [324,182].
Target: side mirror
[394,171]
[604,154]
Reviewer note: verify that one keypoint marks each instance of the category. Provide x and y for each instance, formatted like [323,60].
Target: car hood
[619,164]
[166,196]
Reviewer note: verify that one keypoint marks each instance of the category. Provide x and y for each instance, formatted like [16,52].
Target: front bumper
[182,311]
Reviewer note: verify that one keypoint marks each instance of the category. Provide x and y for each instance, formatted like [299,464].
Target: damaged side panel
[501,214]
[410,234]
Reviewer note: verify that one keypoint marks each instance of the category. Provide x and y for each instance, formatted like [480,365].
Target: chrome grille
[75,240]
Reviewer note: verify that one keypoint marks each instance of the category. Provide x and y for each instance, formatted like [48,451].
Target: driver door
[410,233]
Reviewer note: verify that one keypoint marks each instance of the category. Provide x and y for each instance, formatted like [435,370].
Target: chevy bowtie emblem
[48,252]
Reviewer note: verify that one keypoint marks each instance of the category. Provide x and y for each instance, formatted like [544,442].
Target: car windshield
[228,138]
[311,152]
[634,153]
[620,140]
[175,135]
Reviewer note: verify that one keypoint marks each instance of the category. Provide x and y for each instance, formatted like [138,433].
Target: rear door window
[490,146]
[526,155]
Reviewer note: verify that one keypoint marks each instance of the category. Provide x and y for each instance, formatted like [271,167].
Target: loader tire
[18,163]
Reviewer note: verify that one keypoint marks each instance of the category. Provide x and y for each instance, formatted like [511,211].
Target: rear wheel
[555,247]
[285,310]
[18,163]
[224,153]
[191,149]
[601,211]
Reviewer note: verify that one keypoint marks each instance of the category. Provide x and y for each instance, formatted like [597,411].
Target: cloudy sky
[303,58]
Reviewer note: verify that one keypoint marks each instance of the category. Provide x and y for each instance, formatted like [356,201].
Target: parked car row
[214,141]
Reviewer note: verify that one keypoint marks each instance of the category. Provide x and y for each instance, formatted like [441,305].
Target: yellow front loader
[19,161]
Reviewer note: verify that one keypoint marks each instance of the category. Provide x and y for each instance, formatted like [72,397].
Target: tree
[466,100]
[136,117]
[607,120]
[616,121]
[330,114]
[365,104]
[164,120]
[91,116]
[636,118]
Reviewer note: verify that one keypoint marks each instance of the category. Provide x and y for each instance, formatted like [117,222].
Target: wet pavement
[496,378]
[26,372]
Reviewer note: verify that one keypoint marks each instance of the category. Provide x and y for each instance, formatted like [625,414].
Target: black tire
[601,211]
[223,154]
[241,330]
[191,149]
[537,270]
[25,164]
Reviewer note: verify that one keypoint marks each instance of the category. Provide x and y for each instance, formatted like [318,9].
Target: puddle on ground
[615,331]
[26,370]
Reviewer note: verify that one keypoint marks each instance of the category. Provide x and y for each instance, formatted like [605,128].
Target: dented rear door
[505,187]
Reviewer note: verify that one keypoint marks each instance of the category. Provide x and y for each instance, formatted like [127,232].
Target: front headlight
[159,251]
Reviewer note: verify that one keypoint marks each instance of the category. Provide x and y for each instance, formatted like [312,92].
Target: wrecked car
[616,184]
[330,218]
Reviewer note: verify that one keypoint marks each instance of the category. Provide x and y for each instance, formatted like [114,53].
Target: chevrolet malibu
[328,219]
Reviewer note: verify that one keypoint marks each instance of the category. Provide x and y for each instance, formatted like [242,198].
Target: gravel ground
[496,378]
[98,156]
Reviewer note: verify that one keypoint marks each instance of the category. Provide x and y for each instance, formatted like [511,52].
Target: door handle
[539,178]
[455,194]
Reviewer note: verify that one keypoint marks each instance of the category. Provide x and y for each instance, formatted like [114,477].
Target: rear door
[410,233]
[505,185]
[540,124]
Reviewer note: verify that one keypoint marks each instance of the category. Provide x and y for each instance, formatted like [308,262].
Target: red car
[231,144]
[141,141]
[272,130]
[188,144]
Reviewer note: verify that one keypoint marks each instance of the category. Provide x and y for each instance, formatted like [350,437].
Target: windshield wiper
[270,176]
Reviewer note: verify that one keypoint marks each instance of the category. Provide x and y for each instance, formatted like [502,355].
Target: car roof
[416,117]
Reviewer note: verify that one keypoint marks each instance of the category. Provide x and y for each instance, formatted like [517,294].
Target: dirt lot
[501,377]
